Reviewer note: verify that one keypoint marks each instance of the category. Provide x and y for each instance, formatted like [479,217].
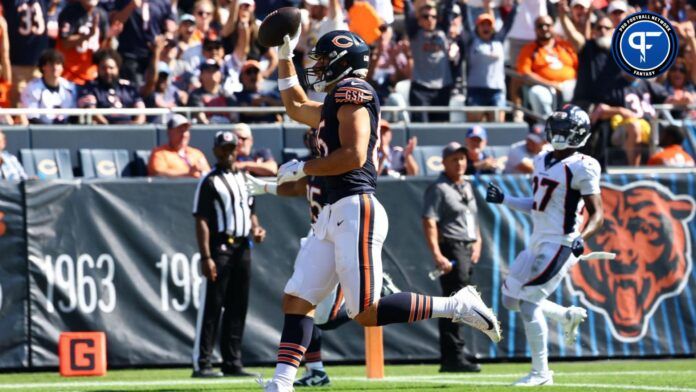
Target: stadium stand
[47,164]
[429,158]
[128,137]
[17,138]
[293,135]
[499,134]
[265,135]
[105,163]
[294,153]
[139,164]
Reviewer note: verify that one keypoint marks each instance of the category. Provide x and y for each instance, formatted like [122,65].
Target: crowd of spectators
[204,53]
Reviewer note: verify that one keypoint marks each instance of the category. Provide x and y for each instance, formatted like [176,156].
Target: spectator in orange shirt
[83,30]
[5,68]
[204,16]
[550,64]
[672,154]
[177,158]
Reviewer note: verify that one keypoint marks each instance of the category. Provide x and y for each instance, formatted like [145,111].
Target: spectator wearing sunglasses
[431,79]
[680,88]
[205,19]
[596,67]
[260,162]
[252,95]
[195,56]
[550,65]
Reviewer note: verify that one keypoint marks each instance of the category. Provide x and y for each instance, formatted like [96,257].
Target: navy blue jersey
[26,25]
[351,91]
[143,25]
[316,196]
[96,94]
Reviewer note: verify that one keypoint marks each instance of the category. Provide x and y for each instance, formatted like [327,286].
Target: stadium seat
[265,136]
[399,137]
[294,153]
[141,158]
[105,163]
[429,158]
[499,134]
[75,137]
[497,151]
[293,135]
[17,138]
[47,164]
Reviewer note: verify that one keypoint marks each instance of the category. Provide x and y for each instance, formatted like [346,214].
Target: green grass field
[644,375]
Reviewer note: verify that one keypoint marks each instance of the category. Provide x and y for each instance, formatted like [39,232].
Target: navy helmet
[568,128]
[338,54]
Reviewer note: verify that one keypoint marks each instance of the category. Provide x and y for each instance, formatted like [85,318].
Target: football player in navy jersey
[331,312]
[346,244]
[26,28]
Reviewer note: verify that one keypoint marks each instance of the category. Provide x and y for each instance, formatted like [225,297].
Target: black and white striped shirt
[221,198]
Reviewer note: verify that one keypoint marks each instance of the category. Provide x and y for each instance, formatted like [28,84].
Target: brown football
[282,21]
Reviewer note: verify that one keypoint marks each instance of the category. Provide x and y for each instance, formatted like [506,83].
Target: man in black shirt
[210,94]
[225,219]
[252,95]
[108,91]
[142,20]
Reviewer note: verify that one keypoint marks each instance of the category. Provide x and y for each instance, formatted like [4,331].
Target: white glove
[291,171]
[256,186]
[289,44]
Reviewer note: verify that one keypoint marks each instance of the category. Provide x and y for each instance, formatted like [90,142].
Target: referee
[225,220]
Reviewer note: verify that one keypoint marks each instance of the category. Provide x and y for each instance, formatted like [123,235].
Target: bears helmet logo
[645,224]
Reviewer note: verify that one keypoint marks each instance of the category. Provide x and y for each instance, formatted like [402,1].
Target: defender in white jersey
[563,183]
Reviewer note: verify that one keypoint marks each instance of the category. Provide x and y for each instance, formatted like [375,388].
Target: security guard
[225,219]
[452,234]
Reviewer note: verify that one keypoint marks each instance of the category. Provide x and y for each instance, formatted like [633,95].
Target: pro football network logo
[646,225]
[645,45]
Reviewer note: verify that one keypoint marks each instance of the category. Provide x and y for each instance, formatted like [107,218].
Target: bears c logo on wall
[645,224]
[3,227]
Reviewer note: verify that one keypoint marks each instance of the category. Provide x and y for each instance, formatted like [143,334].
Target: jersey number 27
[549,186]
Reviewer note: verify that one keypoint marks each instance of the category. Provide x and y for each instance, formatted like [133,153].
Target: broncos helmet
[568,128]
[338,54]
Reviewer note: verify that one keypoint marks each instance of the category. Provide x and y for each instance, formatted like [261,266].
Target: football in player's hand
[277,24]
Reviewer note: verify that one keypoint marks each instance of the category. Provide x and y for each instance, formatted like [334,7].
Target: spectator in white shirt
[521,156]
[10,168]
[49,91]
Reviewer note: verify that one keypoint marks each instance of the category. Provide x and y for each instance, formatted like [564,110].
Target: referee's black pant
[451,339]
[230,292]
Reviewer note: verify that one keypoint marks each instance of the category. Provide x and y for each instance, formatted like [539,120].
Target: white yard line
[478,379]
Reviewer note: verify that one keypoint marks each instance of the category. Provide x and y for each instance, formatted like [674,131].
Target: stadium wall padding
[120,256]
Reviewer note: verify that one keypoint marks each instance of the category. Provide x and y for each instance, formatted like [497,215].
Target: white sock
[537,332]
[443,307]
[285,374]
[553,310]
[315,365]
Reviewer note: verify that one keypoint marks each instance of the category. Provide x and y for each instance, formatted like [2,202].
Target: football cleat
[573,317]
[313,378]
[472,311]
[274,386]
[535,379]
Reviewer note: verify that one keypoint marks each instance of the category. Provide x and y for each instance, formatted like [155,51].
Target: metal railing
[85,115]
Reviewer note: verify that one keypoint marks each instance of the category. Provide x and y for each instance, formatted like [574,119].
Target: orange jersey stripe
[366,267]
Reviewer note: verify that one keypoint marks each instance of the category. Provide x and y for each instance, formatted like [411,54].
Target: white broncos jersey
[558,188]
